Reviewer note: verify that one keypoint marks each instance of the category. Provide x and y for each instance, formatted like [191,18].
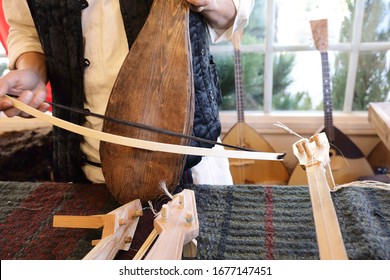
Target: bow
[143,144]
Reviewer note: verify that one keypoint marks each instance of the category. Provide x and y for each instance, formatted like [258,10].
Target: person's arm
[33,61]
[219,14]
[27,77]
[223,17]
[28,81]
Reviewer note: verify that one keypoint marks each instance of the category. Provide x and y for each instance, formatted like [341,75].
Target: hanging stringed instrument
[243,135]
[314,155]
[154,87]
[347,162]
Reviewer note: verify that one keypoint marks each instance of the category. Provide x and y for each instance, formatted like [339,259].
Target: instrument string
[365,184]
[285,127]
[344,158]
[289,130]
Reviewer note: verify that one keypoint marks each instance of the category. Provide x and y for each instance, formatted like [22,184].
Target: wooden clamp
[118,225]
[177,227]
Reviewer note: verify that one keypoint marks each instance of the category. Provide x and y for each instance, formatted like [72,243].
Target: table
[379,118]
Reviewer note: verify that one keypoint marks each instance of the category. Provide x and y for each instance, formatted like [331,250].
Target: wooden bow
[142,144]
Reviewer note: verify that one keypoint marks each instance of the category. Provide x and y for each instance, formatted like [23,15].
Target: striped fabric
[236,222]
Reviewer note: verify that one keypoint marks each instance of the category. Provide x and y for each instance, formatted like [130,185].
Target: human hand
[201,5]
[28,86]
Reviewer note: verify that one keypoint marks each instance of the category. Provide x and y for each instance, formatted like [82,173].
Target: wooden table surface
[379,118]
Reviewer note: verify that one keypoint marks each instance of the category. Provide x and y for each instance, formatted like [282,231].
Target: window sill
[303,123]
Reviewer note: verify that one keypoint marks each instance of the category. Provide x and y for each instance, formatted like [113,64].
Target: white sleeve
[244,9]
[22,35]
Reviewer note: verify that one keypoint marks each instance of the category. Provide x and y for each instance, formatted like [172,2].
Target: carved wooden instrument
[154,87]
[347,161]
[176,226]
[243,135]
[118,229]
[314,155]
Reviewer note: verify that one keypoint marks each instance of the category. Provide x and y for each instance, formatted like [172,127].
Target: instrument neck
[327,95]
[239,86]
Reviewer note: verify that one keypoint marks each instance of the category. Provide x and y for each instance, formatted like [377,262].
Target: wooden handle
[314,155]
[329,238]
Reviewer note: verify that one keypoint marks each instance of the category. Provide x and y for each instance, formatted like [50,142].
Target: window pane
[293,16]
[251,80]
[255,30]
[252,65]
[298,81]
[339,67]
[376,21]
[372,79]
[3,61]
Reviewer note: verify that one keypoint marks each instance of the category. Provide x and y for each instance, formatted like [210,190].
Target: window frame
[349,121]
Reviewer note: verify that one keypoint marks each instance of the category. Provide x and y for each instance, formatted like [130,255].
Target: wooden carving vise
[176,224]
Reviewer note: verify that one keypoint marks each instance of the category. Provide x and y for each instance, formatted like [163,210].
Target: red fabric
[3,28]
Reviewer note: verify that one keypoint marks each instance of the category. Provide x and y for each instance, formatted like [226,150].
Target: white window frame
[350,122]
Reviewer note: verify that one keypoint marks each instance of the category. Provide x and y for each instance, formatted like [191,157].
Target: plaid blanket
[236,222]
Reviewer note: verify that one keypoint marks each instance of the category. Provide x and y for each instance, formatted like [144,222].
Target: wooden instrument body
[243,135]
[253,171]
[154,87]
[314,155]
[347,162]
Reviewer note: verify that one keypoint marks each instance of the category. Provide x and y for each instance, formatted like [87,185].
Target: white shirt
[106,51]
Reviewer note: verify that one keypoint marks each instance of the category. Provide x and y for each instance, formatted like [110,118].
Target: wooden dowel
[96,221]
[141,252]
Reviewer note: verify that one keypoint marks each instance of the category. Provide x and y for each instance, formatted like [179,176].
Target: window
[3,60]
[281,67]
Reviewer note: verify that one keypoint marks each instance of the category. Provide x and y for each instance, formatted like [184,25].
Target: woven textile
[236,222]
[252,222]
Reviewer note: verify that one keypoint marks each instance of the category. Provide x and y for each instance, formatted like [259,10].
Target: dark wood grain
[154,87]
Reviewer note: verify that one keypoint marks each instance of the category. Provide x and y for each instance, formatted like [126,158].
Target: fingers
[37,101]
[44,107]
[28,97]
[25,84]
[24,97]
[5,104]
